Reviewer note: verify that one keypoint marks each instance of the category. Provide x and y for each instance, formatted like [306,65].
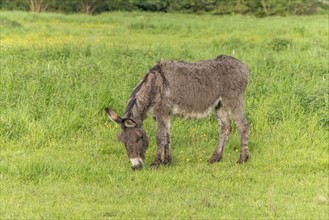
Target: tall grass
[60,157]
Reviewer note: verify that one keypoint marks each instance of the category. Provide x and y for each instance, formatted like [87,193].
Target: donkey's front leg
[163,141]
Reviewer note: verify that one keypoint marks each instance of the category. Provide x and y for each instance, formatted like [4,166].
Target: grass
[60,157]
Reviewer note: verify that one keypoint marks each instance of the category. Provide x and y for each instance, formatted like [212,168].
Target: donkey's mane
[132,102]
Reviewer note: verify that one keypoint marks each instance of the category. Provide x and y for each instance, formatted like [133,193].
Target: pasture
[60,157]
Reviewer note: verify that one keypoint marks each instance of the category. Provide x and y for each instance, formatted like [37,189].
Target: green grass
[60,157]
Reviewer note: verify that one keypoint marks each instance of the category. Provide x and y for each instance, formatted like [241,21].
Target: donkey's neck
[136,110]
[140,99]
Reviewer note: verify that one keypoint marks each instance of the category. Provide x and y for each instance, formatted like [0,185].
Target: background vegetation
[60,157]
[259,8]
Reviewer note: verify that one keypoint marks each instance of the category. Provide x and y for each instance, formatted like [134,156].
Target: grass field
[60,157]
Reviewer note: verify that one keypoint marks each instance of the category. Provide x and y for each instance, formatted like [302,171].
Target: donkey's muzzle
[137,163]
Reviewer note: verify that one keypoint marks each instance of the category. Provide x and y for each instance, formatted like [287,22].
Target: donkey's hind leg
[222,116]
[243,128]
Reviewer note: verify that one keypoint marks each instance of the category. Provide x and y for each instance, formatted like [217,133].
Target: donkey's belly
[194,111]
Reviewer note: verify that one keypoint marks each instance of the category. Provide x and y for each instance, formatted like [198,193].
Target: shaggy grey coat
[190,90]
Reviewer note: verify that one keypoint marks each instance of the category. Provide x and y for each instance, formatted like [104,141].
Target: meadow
[60,157]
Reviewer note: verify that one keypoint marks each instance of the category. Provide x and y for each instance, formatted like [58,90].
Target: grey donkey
[189,90]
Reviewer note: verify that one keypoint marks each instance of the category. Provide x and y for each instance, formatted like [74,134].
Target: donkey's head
[133,137]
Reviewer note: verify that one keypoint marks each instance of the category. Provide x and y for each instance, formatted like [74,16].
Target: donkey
[187,89]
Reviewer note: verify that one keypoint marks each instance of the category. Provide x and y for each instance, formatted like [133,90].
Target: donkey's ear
[113,116]
[129,123]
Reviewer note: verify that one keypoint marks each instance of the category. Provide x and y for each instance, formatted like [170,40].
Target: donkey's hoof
[156,164]
[167,161]
[243,159]
[215,158]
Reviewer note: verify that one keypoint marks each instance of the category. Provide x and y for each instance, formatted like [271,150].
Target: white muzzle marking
[136,161]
